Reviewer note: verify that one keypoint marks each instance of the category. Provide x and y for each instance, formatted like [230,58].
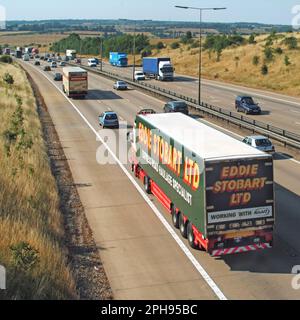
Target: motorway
[278,110]
[143,255]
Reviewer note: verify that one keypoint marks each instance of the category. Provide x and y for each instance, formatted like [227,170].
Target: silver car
[260,142]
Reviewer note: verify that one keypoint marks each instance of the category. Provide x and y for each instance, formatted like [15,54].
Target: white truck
[75,82]
[71,54]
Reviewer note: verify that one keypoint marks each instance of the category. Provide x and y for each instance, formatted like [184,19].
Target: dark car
[42,58]
[247,105]
[47,68]
[176,106]
[58,77]
[37,63]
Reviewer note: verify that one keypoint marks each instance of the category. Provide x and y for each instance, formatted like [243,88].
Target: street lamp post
[101,55]
[200,42]
[134,48]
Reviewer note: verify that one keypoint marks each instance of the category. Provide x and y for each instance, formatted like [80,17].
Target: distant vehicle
[18,54]
[118,59]
[35,51]
[176,106]
[7,51]
[120,85]
[58,77]
[158,68]
[109,119]
[42,58]
[47,68]
[75,82]
[50,60]
[37,56]
[66,59]
[260,142]
[139,76]
[59,58]
[77,60]
[13,53]
[71,54]
[53,64]
[145,112]
[92,63]
[37,63]
[31,56]
[247,105]
[28,50]
[62,64]
[26,57]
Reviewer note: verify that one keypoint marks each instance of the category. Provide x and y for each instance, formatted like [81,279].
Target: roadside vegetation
[268,61]
[31,225]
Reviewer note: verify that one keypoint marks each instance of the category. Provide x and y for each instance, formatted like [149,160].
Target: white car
[139,76]
[260,142]
[53,64]
[92,63]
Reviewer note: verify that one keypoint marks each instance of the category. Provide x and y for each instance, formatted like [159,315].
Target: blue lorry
[118,59]
[158,68]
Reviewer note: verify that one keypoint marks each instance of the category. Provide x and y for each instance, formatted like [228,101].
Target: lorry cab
[166,71]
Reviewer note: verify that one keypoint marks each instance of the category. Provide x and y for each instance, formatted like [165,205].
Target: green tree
[287,61]
[291,42]
[175,45]
[268,54]
[255,60]
[160,45]
[264,70]
[251,39]
[279,50]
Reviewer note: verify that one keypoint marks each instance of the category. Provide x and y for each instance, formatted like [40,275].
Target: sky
[263,11]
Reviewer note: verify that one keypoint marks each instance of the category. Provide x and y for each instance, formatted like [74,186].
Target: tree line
[92,45]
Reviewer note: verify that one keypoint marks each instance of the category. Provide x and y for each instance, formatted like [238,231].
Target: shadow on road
[286,251]
[102,95]
[184,79]
[281,156]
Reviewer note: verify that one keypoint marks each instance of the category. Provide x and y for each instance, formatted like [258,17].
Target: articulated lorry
[75,82]
[219,191]
[118,59]
[158,68]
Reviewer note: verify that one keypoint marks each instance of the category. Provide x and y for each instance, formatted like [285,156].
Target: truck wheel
[147,185]
[191,236]
[175,217]
[182,226]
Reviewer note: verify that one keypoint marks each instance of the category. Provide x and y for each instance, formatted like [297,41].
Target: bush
[175,45]
[268,54]
[160,45]
[291,42]
[287,61]
[255,60]
[264,70]
[251,39]
[8,78]
[6,59]
[279,50]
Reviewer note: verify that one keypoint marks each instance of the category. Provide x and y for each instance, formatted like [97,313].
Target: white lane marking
[237,135]
[294,111]
[159,215]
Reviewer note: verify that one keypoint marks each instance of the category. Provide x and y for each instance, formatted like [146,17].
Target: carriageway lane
[279,110]
[260,275]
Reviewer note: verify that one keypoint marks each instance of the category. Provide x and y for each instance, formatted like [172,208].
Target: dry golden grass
[29,205]
[21,40]
[281,78]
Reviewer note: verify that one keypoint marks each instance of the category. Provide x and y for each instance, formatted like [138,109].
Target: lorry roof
[207,142]
[73,69]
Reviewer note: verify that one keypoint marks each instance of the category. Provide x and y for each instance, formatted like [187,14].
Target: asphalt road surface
[143,258]
[278,110]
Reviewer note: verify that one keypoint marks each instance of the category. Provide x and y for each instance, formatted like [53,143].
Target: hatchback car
[145,112]
[260,142]
[47,68]
[247,105]
[58,77]
[53,64]
[139,76]
[109,119]
[176,106]
[120,85]
[62,64]
[49,60]
[37,63]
